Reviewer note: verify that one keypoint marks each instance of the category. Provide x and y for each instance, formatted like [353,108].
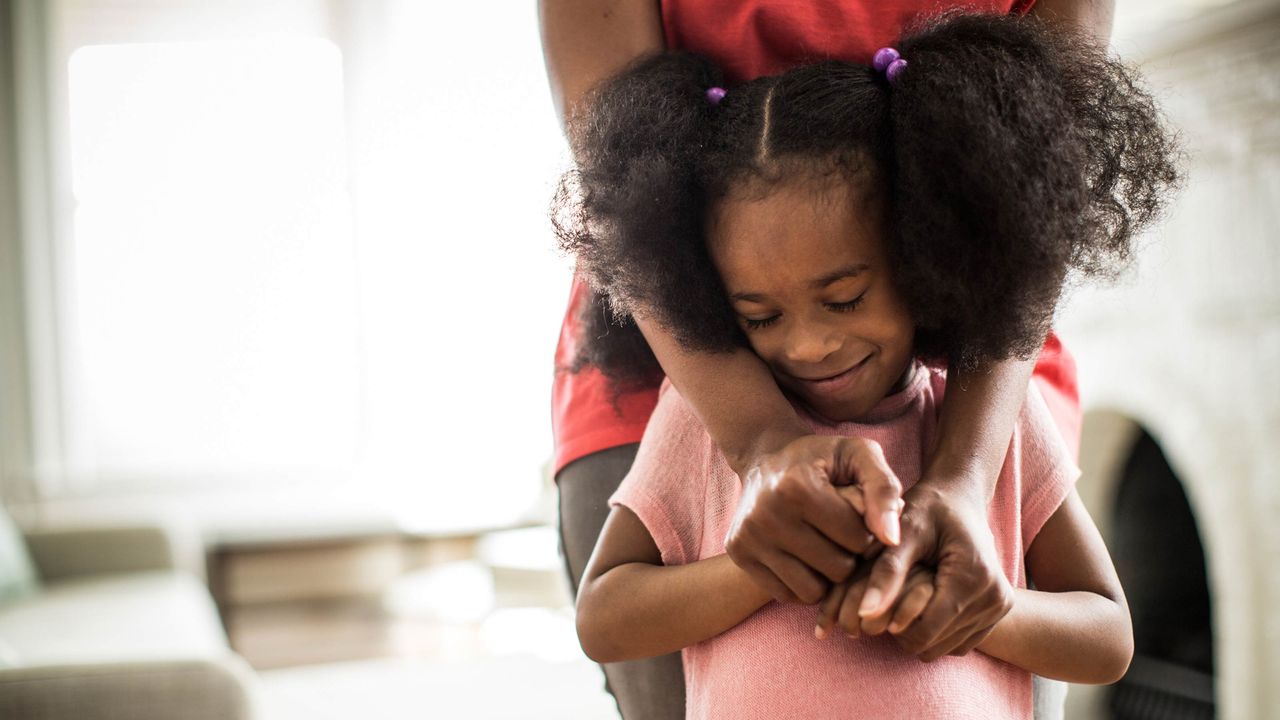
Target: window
[212,276]
[303,242]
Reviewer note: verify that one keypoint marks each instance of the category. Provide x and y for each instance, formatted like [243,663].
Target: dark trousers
[650,689]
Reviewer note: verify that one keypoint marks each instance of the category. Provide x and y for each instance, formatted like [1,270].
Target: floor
[517,686]
[486,633]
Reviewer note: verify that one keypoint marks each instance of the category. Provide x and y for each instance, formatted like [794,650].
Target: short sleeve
[666,486]
[1046,466]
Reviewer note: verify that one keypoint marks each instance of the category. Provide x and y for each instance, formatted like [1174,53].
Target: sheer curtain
[298,249]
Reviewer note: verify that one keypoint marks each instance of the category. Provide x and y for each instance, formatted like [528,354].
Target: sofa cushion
[17,574]
[138,616]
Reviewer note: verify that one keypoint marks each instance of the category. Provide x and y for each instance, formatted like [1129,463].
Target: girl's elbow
[1125,642]
[1122,657]
[591,640]
[1110,670]
[1115,661]
[592,633]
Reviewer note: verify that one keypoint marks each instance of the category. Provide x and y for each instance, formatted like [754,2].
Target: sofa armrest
[213,689]
[62,553]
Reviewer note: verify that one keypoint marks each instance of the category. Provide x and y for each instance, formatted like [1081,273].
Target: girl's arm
[631,606]
[1075,625]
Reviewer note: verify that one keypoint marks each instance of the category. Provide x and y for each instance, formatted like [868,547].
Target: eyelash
[758,324]
[849,306]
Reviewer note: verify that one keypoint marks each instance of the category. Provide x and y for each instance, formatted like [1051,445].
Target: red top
[750,38]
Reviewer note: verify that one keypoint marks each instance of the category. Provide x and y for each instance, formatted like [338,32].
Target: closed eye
[848,305]
[753,324]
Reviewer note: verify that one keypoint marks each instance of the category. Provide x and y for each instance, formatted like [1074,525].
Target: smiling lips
[835,382]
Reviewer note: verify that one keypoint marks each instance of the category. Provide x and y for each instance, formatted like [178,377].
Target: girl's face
[808,276]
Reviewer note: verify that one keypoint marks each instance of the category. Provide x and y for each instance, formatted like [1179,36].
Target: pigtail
[1020,154]
[632,211]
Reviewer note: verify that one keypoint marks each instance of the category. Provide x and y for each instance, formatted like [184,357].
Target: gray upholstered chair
[111,623]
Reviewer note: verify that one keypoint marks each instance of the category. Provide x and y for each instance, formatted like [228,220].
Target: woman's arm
[946,519]
[586,41]
[631,606]
[790,532]
[734,395]
[1094,17]
[945,523]
[1075,626]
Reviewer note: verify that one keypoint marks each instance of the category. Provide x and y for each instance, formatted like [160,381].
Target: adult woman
[788,533]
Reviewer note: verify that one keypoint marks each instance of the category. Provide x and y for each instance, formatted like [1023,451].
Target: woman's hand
[945,523]
[945,529]
[794,533]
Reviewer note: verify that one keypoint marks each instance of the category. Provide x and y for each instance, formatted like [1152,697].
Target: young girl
[849,224]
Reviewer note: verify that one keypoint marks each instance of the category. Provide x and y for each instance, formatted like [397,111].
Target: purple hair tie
[715,95]
[889,61]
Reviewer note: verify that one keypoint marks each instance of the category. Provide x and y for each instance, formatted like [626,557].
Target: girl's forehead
[795,229]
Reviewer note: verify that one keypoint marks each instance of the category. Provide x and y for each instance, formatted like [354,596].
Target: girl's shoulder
[674,422]
[675,471]
[676,445]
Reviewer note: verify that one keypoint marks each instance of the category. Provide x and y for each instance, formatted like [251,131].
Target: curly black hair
[1010,155]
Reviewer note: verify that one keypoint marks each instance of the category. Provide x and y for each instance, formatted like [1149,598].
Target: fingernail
[894,628]
[819,633]
[892,529]
[870,603]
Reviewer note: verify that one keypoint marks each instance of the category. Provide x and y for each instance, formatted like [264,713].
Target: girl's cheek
[761,345]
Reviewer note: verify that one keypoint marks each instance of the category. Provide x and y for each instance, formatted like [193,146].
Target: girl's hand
[840,608]
[794,534]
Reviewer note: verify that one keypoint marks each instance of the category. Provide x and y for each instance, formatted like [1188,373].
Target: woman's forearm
[638,610]
[1094,17]
[734,395]
[1079,637]
[977,421]
[586,41]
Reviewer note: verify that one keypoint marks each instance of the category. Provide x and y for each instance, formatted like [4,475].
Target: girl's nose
[811,345]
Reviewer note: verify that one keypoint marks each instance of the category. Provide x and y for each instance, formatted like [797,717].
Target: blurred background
[278,302]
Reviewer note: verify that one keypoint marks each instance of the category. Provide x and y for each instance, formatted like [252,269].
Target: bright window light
[213,298]
[239,309]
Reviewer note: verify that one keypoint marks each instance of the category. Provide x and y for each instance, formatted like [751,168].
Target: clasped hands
[824,521]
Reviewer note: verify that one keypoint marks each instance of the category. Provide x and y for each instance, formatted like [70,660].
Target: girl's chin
[837,410]
[856,401]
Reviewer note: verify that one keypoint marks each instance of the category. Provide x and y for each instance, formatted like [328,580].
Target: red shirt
[750,38]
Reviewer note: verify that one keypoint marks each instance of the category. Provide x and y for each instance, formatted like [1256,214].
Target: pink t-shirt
[771,666]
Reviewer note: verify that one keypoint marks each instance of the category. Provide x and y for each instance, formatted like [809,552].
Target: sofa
[112,623]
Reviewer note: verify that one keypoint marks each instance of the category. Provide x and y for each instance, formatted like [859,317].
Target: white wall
[1188,345]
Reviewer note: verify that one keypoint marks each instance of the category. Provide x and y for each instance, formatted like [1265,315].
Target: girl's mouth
[837,382]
